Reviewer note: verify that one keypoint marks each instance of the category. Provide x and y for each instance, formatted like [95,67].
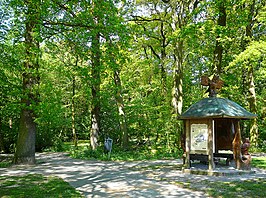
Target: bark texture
[25,148]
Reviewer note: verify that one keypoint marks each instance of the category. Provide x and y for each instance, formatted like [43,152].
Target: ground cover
[5,163]
[259,162]
[217,187]
[83,151]
[248,188]
[35,186]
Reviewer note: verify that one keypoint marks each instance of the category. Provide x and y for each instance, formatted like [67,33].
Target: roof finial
[215,84]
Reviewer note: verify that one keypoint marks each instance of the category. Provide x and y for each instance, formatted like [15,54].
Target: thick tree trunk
[121,110]
[95,89]
[218,52]
[25,148]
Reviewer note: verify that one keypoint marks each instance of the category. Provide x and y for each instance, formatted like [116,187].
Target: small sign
[199,137]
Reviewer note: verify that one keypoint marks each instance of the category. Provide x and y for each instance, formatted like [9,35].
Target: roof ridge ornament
[215,84]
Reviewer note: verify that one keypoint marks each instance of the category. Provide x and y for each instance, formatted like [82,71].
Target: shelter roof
[216,108]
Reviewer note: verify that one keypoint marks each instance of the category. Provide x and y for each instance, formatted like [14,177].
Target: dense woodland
[89,69]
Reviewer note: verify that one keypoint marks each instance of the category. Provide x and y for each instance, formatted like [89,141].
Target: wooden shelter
[212,127]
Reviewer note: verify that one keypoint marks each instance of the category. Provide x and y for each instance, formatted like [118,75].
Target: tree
[25,148]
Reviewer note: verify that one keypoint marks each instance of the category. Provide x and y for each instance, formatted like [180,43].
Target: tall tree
[25,148]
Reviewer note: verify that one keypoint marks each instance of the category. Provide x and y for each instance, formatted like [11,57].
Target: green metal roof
[216,108]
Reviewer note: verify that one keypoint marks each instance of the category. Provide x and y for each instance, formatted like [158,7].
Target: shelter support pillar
[187,127]
[210,145]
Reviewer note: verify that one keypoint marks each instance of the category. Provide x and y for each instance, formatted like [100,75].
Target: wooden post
[210,145]
[187,126]
[237,145]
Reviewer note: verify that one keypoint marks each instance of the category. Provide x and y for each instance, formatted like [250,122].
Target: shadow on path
[102,179]
[121,179]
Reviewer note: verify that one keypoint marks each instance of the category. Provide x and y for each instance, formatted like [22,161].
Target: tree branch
[67,24]
[139,18]
[154,53]
[64,8]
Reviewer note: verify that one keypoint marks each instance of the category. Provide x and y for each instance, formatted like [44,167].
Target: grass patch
[5,164]
[5,161]
[35,185]
[249,188]
[83,151]
[259,162]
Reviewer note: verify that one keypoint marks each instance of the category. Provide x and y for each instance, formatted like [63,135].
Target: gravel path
[122,179]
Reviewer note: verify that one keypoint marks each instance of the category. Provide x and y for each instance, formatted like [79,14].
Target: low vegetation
[35,186]
[259,162]
[144,152]
[248,188]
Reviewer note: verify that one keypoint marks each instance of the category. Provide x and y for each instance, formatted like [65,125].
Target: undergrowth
[83,151]
[35,186]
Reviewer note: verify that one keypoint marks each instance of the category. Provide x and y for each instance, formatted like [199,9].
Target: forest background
[89,69]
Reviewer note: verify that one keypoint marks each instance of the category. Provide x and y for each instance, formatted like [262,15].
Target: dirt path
[125,179]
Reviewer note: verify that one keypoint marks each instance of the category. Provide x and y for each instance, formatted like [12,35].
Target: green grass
[137,153]
[259,162]
[249,188]
[35,186]
[5,162]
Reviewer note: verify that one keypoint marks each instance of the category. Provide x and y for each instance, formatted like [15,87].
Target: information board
[199,137]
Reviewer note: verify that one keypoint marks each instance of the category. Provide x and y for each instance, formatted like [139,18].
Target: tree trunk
[254,134]
[218,52]
[2,147]
[248,74]
[95,89]
[121,110]
[75,140]
[177,99]
[163,60]
[25,148]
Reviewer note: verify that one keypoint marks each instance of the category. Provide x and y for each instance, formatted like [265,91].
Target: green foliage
[35,185]
[143,152]
[144,48]
[10,93]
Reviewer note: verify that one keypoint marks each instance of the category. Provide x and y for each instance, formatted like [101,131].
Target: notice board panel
[199,137]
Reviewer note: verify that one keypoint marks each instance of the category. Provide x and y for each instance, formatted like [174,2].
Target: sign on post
[108,143]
